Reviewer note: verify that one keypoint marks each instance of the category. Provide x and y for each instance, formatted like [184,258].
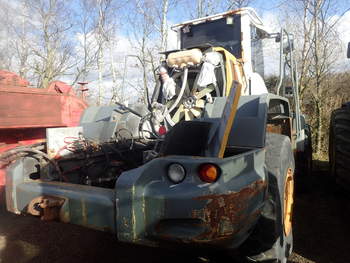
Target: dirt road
[321,234]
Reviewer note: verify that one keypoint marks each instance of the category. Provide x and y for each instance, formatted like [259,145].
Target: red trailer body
[25,112]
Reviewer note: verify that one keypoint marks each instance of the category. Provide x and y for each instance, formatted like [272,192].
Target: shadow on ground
[321,220]
[30,240]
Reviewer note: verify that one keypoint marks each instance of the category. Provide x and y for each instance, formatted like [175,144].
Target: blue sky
[177,14]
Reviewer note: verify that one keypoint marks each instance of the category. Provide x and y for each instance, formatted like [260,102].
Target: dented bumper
[151,209]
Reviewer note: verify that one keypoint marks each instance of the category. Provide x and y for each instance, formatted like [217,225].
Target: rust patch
[47,207]
[225,213]
[274,128]
[280,126]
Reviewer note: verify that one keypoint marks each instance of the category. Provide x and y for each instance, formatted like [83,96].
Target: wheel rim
[288,201]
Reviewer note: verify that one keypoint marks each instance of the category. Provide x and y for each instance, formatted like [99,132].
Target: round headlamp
[176,173]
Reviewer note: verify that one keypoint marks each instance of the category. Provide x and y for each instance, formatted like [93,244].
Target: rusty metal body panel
[192,212]
[147,208]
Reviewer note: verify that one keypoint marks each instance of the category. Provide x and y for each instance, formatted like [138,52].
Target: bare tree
[210,7]
[234,4]
[112,45]
[164,25]
[145,52]
[87,52]
[101,39]
[206,8]
[318,49]
[105,39]
[323,43]
[6,19]
[50,41]
[149,36]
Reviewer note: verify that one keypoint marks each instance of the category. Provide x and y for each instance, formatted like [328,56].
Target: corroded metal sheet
[151,209]
[224,213]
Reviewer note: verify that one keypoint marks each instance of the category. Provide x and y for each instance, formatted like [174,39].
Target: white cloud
[344,35]
[271,21]
[271,48]
[344,27]
[173,42]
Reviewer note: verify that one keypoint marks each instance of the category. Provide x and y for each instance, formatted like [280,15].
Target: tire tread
[340,126]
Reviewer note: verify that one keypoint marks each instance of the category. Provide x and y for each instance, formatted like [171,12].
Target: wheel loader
[208,161]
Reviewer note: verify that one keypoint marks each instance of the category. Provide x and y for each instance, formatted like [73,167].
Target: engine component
[117,122]
[62,141]
[149,155]
[185,58]
[132,126]
[199,84]
[158,112]
[207,74]
[189,103]
[169,85]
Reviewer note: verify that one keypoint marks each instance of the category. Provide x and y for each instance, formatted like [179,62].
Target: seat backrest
[249,126]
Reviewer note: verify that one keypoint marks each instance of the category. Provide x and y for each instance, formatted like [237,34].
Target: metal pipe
[294,77]
[13,151]
[32,150]
[279,85]
[129,109]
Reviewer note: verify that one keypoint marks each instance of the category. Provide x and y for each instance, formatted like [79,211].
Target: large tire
[308,151]
[339,145]
[272,239]
[304,167]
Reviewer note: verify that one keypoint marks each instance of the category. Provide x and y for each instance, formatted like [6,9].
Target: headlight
[176,173]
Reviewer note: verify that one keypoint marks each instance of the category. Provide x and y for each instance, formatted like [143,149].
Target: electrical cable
[32,150]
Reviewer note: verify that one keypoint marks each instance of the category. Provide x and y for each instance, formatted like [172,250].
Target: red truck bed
[25,112]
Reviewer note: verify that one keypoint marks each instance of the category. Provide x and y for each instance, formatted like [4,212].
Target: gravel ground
[321,229]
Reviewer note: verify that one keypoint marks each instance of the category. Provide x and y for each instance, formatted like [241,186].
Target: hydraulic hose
[32,150]
[184,82]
